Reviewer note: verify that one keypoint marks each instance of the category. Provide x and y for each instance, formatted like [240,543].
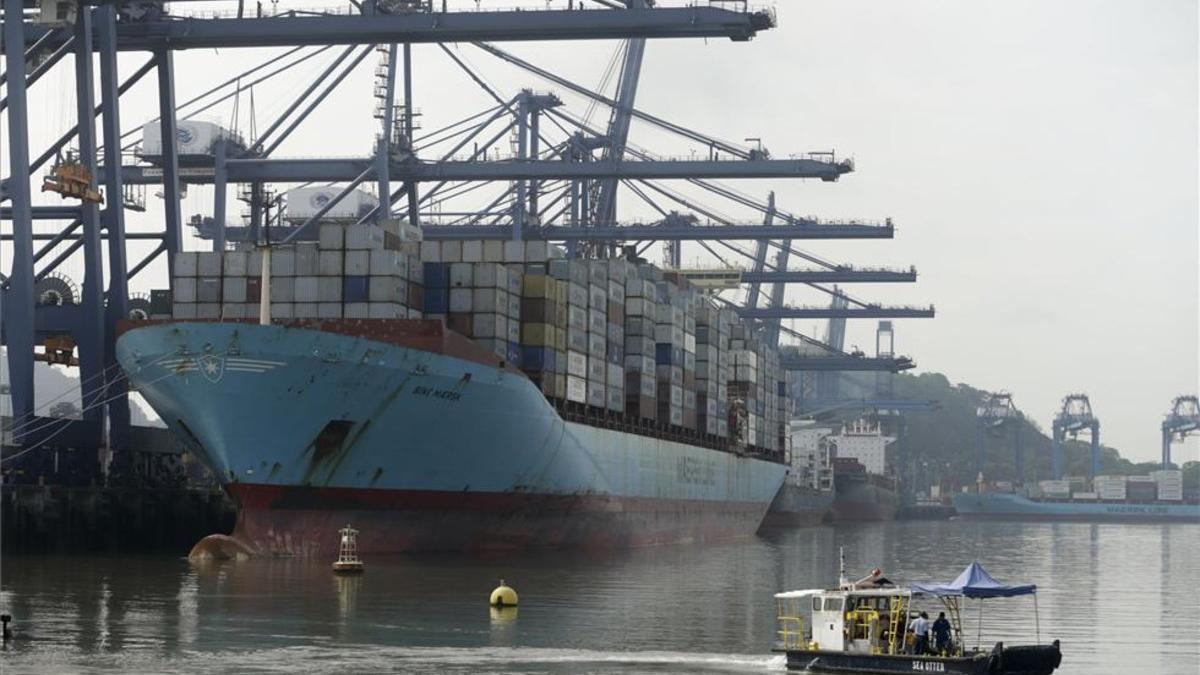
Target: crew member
[941,633]
[919,627]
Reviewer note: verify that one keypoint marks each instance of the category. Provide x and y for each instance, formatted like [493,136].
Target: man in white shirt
[919,627]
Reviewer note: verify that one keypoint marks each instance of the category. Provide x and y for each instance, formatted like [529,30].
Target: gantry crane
[560,184]
[995,413]
[1183,419]
[1074,417]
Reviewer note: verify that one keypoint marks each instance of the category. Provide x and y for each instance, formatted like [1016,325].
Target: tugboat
[863,627]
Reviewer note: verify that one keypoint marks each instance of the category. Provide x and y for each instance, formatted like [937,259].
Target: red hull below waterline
[303,521]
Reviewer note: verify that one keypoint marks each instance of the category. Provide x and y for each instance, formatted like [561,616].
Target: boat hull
[1020,660]
[422,444]
[797,506]
[1003,506]
[862,500]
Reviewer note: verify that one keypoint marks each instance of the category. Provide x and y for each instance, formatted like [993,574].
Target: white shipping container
[490,300]
[183,310]
[576,389]
[329,289]
[487,275]
[331,237]
[283,289]
[329,263]
[389,263]
[356,310]
[233,289]
[472,251]
[193,138]
[386,310]
[282,310]
[460,299]
[452,251]
[208,264]
[307,289]
[283,262]
[208,310]
[514,251]
[235,310]
[304,310]
[304,203]
[431,251]
[577,364]
[493,251]
[386,290]
[489,326]
[329,310]
[306,259]
[535,251]
[357,263]
[364,237]
[185,290]
[462,275]
[185,264]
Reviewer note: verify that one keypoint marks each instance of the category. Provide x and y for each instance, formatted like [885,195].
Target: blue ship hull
[1003,506]
[422,444]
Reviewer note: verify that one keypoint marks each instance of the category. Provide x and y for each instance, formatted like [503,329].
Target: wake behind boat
[873,626]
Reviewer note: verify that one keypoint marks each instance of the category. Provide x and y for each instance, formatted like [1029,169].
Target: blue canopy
[974,582]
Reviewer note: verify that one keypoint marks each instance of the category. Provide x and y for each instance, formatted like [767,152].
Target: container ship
[864,488]
[476,395]
[1157,498]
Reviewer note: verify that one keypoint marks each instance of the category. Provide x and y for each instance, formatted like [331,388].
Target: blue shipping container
[354,289]
[537,358]
[437,300]
[437,275]
[666,354]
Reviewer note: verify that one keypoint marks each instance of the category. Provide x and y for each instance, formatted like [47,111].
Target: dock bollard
[503,596]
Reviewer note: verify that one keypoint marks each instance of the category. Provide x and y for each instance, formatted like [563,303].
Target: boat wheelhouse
[866,626]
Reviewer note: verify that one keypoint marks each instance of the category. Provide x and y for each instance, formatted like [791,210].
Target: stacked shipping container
[613,337]
[353,272]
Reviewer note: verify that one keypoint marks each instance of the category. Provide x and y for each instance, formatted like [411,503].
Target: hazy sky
[1039,160]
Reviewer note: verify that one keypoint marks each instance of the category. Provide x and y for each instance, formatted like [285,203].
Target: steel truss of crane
[560,184]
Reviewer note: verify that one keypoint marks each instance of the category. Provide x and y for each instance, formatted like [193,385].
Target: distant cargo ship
[807,493]
[1003,506]
[864,489]
[1154,498]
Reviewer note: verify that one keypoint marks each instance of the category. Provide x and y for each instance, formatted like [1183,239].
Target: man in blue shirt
[941,633]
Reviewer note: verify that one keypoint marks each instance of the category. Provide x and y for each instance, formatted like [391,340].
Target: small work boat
[866,626]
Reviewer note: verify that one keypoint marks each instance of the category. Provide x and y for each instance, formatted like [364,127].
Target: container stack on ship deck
[657,414]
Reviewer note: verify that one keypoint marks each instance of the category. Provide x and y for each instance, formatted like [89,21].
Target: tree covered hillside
[942,442]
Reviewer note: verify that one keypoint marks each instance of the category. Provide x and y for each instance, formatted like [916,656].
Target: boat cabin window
[816,604]
[833,604]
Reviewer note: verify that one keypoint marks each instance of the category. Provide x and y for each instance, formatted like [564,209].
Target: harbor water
[1121,599]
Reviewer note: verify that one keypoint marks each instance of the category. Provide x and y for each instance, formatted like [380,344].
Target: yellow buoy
[503,596]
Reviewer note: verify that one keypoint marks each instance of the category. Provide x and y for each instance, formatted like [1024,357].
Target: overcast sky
[1039,160]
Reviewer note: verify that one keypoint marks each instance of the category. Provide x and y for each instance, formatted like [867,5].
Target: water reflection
[1116,595]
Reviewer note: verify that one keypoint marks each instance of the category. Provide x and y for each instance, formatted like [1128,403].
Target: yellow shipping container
[539,286]
[538,335]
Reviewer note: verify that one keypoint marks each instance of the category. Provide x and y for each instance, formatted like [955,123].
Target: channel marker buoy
[503,596]
[348,561]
